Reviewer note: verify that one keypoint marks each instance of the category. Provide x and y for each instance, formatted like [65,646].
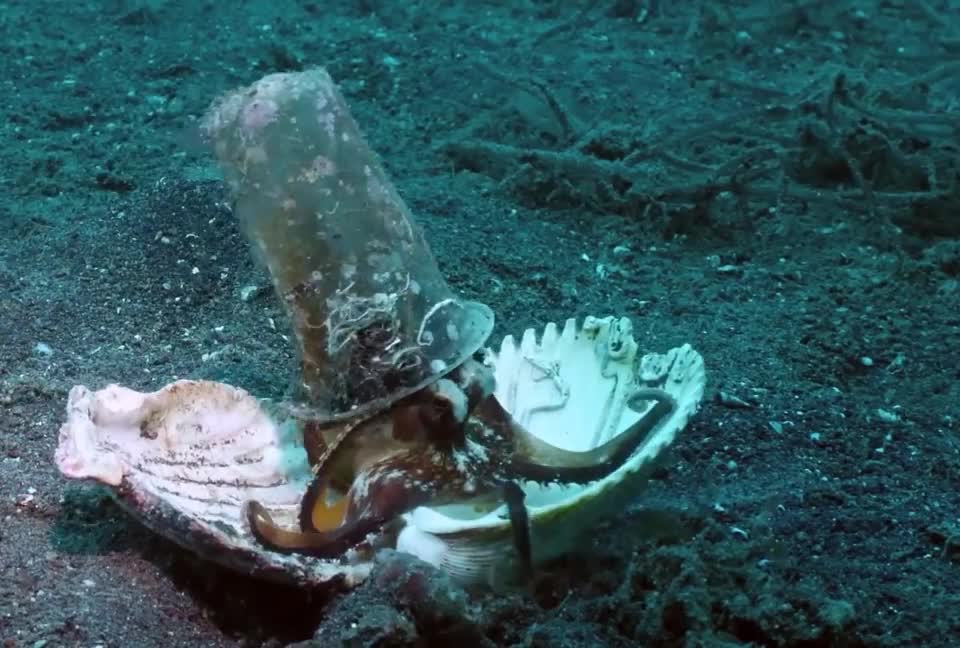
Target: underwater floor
[775,183]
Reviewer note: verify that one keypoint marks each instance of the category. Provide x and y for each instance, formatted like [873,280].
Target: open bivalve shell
[575,389]
[186,459]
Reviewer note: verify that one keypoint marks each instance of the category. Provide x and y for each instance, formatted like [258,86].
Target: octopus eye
[440,423]
[438,413]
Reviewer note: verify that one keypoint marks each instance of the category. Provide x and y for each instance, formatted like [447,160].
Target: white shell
[571,389]
[185,459]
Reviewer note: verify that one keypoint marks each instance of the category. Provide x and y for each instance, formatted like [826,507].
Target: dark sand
[774,183]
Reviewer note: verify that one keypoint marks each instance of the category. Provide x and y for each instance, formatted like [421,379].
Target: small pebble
[887,416]
[729,400]
[247,292]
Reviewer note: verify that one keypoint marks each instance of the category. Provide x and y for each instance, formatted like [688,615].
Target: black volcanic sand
[777,187]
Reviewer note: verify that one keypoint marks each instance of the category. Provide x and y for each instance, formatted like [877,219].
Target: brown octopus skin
[395,461]
[537,461]
[421,473]
[426,450]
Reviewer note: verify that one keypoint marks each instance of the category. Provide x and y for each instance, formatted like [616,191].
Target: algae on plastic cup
[374,318]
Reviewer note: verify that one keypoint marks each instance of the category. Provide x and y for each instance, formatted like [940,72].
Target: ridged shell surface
[571,387]
[185,459]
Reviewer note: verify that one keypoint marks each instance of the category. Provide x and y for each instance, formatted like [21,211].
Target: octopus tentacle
[535,460]
[514,497]
[327,544]
[417,454]
[380,493]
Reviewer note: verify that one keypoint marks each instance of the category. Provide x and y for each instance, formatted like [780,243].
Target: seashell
[186,459]
[573,389]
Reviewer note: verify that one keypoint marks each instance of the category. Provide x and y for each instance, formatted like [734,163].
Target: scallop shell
[186,458]
[571,388]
